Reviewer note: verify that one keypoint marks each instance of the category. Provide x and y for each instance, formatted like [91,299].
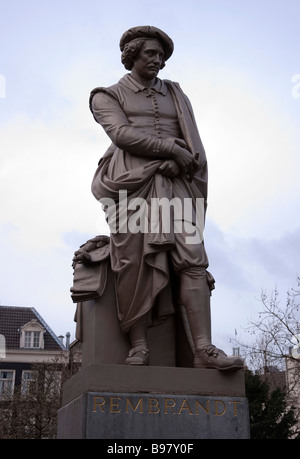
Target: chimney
[68,334]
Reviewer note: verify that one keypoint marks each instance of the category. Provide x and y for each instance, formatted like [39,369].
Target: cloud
[250,264]
[45,179]
[244,267]
[252,149]
[38,278]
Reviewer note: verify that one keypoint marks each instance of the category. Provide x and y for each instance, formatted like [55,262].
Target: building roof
[12,318]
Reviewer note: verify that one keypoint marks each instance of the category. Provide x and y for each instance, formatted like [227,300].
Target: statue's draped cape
[140,261]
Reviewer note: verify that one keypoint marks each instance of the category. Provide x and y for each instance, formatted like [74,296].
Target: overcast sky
[238,62]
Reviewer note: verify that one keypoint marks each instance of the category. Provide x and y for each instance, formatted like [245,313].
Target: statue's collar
[136,87]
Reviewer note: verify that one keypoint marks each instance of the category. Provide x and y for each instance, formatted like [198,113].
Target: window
[36,339]
[27,339]
[2,347]
[7,381]
[27,380]
[32,335]
[32,339]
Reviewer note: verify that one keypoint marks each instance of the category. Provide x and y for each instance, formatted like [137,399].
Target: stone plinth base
[107,415]
[127,402]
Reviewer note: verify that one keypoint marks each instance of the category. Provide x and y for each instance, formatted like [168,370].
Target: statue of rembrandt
[156,153]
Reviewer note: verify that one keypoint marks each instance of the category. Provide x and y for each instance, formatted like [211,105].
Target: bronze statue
[156,153]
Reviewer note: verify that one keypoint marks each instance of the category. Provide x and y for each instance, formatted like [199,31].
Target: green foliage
[270,415]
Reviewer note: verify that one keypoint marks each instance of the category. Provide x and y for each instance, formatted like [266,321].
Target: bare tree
[275,332]
[274,352]
[30,412]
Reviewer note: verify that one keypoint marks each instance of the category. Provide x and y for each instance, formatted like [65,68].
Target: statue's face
[149,60]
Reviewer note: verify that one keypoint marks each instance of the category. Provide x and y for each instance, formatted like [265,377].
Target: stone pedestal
[169,399]
[123,402]
[103,342]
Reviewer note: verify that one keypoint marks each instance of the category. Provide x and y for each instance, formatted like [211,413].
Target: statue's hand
[81,256]
[169,168]
[184,159]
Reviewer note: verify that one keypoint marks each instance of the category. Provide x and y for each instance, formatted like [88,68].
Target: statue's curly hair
[131,51]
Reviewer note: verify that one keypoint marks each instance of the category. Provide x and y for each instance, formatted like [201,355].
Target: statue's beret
[148,32]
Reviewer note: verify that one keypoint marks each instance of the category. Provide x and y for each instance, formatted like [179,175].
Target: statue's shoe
[212,357]
[138,356]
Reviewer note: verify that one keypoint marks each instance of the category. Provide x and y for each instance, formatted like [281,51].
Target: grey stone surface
[124,401]
[104,343]
[172,380]
[107,415]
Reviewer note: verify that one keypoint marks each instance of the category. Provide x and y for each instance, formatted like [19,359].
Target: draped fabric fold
[140,261]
